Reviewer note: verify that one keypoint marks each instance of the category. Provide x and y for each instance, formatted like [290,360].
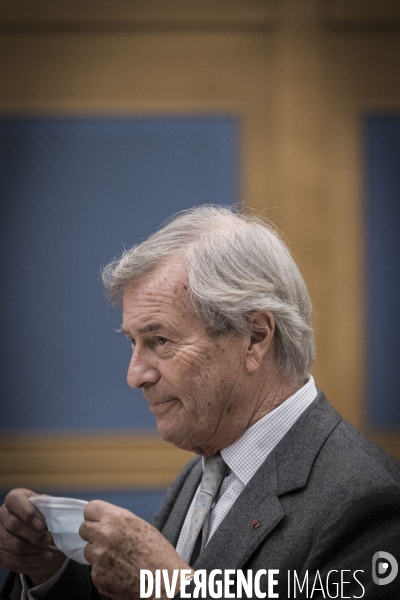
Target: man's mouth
[159,407]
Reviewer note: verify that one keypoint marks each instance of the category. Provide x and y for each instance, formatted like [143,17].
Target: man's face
[195,384]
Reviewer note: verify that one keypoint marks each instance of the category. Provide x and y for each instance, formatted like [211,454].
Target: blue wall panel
[383,271]
[73,191]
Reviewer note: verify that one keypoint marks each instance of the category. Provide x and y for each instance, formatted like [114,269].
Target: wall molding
[26,15]
[104,461]
[190,15]
[374,15]
[88,461]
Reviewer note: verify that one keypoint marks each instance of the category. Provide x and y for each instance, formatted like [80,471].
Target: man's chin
[168,432]
[172,434]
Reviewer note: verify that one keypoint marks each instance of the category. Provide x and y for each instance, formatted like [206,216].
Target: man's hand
[120,544]
[24,539]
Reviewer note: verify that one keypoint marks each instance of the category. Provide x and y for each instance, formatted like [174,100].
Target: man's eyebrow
[150,327]
[145,329]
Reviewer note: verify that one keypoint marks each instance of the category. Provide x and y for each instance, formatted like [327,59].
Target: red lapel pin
[256,525]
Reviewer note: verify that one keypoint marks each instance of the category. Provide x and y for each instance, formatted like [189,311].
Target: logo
[384,568]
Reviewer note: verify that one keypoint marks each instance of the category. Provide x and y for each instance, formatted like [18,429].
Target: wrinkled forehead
[165,288]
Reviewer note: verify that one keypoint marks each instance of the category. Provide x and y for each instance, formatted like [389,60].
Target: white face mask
[63,517]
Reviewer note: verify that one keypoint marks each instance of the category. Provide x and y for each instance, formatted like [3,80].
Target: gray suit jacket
[326,499]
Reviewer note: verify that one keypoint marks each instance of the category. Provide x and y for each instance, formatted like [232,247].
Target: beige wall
[299,74]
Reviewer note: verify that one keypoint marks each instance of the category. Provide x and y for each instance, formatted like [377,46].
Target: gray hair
[236,265]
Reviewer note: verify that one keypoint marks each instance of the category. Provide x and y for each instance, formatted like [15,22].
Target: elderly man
[220,324]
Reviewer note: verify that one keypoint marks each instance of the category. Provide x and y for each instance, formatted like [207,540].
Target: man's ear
[262,326]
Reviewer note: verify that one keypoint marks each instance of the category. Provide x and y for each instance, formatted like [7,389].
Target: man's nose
[141,370]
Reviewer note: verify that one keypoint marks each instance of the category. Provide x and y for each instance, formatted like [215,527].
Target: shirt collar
[248,452]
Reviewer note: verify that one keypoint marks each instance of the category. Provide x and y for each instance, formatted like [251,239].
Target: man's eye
[161,341]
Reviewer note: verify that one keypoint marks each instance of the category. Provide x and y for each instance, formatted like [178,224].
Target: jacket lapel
[287,468]
[297,451]
[258,501]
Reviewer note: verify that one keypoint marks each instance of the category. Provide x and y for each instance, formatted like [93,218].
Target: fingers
[20,518]
[96,509]
[88,553]
[103,519]
[24,539]
[18,504]
[101,527]
[16,545]
[22,530]
[87,531]
[15,527]
[24,563]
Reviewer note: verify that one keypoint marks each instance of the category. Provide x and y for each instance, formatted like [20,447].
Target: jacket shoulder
[355,448]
